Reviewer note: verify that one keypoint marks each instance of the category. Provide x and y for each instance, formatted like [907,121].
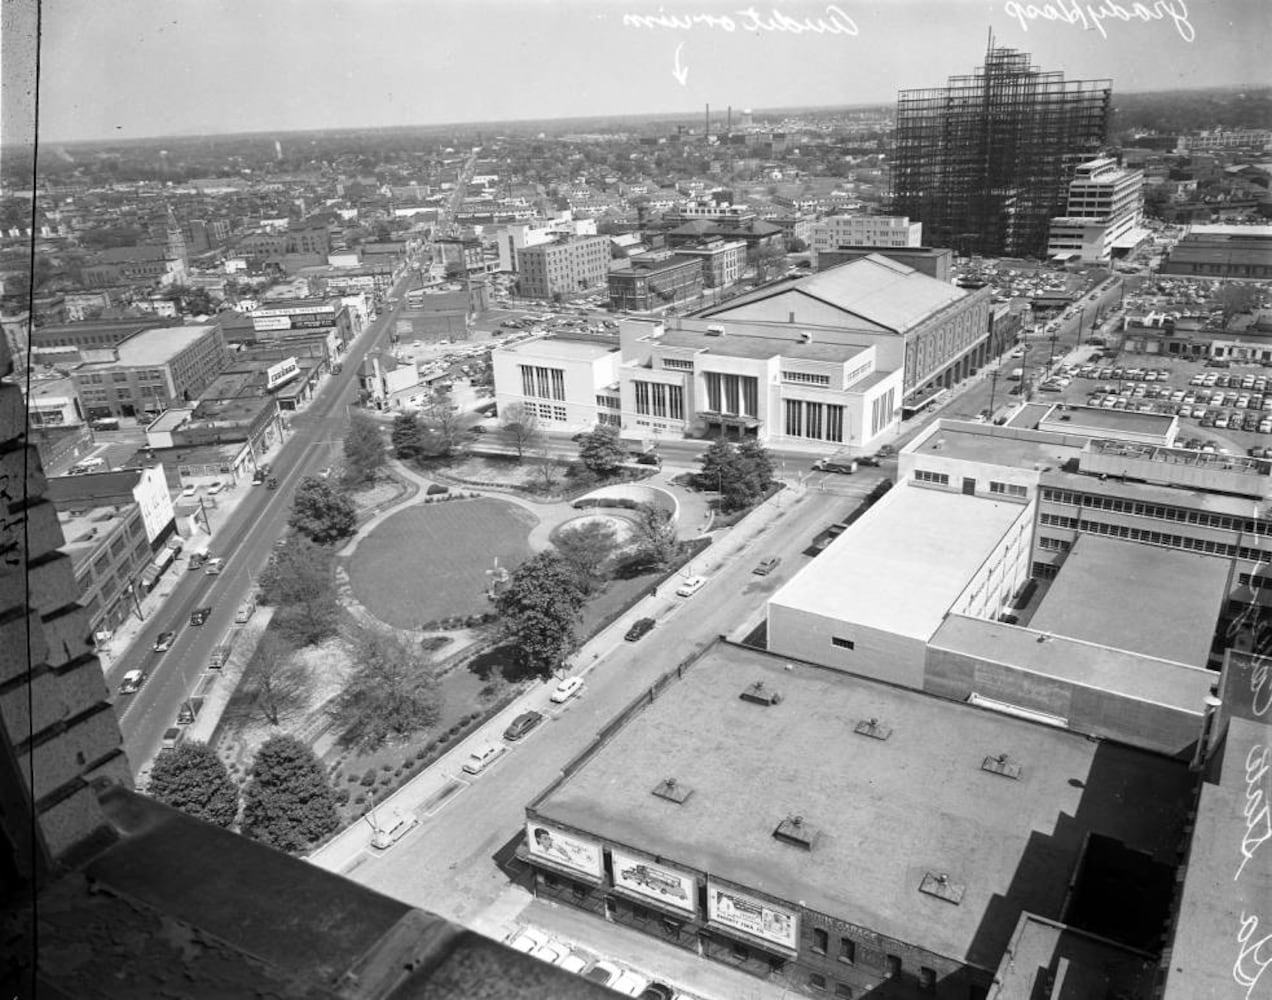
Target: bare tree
[279,680]
[519,426]
[546,470]
[442,427]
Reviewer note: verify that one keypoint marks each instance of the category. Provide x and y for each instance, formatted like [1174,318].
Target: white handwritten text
[836,22]
[1260,688]
[1092,16]
[1257,811]
[1254,957]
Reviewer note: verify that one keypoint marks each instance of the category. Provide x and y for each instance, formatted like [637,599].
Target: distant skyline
[130,69]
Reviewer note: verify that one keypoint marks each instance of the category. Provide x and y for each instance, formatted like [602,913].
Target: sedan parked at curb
[522,725]
[567,689]
[691,586]
[640,627]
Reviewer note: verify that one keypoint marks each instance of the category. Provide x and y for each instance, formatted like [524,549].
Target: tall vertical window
[676,402]
[834,423]
[558,383]
[750,395]
[731,396]
[794,418]
[813,414]
[642,397]
[712,380]
[659,393]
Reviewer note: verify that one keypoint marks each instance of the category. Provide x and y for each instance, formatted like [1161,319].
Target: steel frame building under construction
[984,162]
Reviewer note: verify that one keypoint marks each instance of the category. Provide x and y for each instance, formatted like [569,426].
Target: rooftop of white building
[902,565]
[155,346]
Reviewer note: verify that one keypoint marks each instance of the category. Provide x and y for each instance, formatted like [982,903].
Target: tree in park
[408,436]
[390,691]
[601,452]
[278,680]
[655,536]
[193,779]
[741,474]
[363,450]
[300,582]
[519,426]
[321,513]
[588,549]
[442,428]
[288,803]
[540,610]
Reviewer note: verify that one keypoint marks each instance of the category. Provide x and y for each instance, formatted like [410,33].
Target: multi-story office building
[150,371]
[1102,217]
[512,239]
[841,232]
[722,261]
[984,162]
[563,268]
[654,280]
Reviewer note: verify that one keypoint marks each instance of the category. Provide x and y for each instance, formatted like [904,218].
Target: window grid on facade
[1008,489]
[806,378]
[937,478]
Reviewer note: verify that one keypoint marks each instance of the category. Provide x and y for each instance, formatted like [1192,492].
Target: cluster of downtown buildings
[1005,737]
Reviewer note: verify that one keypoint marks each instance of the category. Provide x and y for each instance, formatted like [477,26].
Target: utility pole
[993,388]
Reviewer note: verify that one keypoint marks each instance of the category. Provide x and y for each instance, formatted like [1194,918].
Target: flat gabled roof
[888,811]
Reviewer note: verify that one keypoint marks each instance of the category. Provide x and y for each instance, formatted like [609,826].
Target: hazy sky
[132,68]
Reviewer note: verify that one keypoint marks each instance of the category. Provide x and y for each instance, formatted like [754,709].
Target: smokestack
[728,128]
[706,132]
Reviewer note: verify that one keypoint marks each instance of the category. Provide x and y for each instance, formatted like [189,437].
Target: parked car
[132,682]
[189,711]
[271,483]
[164,642]
[567,689]
[527,940]
[603,973]
[482,757]
[326,473]
[639,628]
[691,586]
[172,738]
[629,984]
[522,725]
[189,491]
[199,615]
[396,827]
[214,566]
[215,488]
[766,566]
[219,658]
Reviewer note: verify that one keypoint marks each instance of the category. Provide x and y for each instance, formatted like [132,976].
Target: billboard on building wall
[658,882]
[754,916]
[271,323]
[566,850]
[285,370]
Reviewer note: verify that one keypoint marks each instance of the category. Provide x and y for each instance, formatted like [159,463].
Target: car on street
[766,566]
[132,681]
[215,488]
[691,586]
[567,689]
[189,491]
[522,725]
[392,829]
[271,483]
[640,627]
[658,991]
[603,973]
[199,615]
[482,757]
[164,642]
[258,477]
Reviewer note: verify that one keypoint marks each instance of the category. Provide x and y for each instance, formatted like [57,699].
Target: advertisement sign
[658,882]
[564,849]
[286,311]
[271,323]
[753,916]
[276,375]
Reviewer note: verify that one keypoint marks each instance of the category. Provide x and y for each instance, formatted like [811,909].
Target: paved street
[245,538]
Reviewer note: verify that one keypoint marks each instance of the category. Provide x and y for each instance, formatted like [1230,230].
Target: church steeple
[176,241]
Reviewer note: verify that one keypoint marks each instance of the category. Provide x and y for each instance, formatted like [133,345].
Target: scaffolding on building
[985,162]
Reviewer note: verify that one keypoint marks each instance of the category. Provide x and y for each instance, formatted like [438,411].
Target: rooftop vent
[872,728]
[1001,764]
[938,884]
[795,830]
[671,790]
[761,695]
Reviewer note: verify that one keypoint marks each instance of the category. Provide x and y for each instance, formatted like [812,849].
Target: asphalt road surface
[245,539]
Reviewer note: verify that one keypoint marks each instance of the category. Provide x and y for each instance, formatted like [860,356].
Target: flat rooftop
[1077,661]
[904,562]
[1167,496]
[1093,966]
[888,811]
[747,346]
[1003,446]
[560,349]
[85,529]
[152,347]
[1178,597]
[1082,418]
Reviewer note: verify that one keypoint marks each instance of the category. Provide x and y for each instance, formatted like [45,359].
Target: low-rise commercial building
[837,836]
[723,261]
[654,280]
[1222,252]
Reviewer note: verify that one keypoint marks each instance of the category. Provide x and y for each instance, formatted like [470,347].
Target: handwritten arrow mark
[680,74]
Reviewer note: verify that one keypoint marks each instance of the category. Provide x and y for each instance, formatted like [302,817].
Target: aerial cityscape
[691,503]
